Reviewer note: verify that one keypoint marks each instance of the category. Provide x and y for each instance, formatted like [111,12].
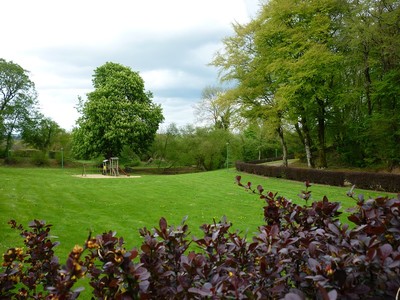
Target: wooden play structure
[114,169]
[109,167]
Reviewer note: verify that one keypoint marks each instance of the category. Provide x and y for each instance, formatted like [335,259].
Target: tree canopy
[328,70]
[215,108]
[18,99]
[41,132]
[119,112]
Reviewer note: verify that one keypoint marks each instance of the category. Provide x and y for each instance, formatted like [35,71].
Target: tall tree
[240,61]
[329,68]
[259,140]
[367,130]
[166,146]
[214,108]
[298,40]
[18,99]
[209,148]
[40,132]
[119,112]
[386,89]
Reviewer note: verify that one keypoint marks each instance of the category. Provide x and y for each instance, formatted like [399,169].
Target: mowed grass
[76,205]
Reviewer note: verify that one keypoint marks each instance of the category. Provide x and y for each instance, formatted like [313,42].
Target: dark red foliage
[301,252]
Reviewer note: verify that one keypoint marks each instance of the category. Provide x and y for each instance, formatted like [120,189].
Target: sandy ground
[99,176]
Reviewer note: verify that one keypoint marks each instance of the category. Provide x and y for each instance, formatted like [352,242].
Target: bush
[313,175]
[375,181]
[26,152]
[128,157]
[301,252]
[387,182]
[40,159]
[12,160]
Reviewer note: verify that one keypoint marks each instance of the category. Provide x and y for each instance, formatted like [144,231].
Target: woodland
[327,70]
[317,80]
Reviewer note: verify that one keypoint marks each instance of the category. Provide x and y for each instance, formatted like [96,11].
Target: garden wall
[364,180]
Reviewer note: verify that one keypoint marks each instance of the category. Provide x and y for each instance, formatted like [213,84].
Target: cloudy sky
[169,42]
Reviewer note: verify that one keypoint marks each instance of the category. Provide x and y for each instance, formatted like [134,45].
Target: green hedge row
[364,180]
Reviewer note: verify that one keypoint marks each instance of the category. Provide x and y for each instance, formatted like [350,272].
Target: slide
[123,172]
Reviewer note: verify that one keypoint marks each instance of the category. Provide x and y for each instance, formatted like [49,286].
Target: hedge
[387,182]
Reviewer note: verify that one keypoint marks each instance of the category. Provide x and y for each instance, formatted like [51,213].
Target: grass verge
[76,205]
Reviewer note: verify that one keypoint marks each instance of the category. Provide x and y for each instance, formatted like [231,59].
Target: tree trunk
[8,143]
[321,149]
[164,150]
[300,134]
[307,142]
[283,144]
[307,147]
[321,135]
[368,81]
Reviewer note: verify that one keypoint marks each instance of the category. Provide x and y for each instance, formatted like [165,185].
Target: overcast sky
[169,42]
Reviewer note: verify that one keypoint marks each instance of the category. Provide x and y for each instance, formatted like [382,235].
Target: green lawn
[75,205]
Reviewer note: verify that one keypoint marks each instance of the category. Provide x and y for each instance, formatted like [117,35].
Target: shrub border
[386,182]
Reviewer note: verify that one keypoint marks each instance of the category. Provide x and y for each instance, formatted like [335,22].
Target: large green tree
[372,107]
[298,39]
[259,141]
[119,112]
[326,69]
[207,148]
[41,132]
[288,66]
[18,99]
[241,61]
[167,147]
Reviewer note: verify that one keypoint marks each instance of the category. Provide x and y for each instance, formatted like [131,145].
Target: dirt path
[278,163]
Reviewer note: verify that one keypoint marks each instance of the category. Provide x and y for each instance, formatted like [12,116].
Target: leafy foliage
[119,112]
[41,132]
[205,148]
[215,109]
[301,252]
[17,100]
[329,69]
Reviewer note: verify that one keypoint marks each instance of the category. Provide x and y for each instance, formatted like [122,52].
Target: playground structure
[110,167]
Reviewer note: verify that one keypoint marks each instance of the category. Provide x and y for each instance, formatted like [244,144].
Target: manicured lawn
[76,205]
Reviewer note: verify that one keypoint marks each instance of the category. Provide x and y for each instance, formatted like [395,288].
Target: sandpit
[100,176]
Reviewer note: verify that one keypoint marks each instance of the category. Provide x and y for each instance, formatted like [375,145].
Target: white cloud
[170,79]
[170,43]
